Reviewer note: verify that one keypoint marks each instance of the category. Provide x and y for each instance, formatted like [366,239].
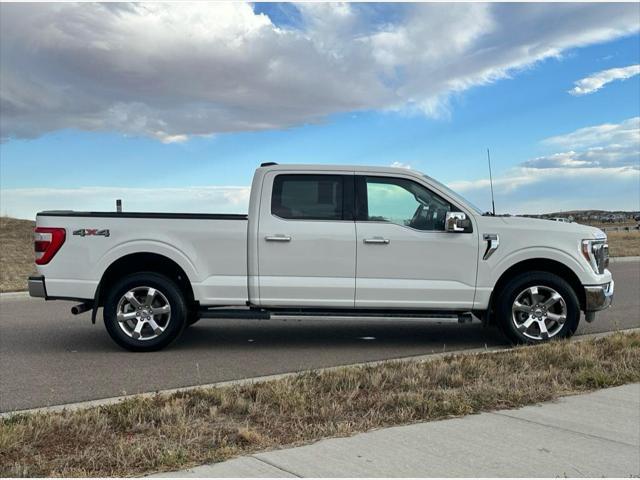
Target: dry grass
[624,244]
[148,434]
[16,253]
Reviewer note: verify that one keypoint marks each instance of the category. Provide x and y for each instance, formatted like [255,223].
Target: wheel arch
[540,265]
[144,262]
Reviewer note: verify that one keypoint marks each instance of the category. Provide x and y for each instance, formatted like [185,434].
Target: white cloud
[26,202]
[170,71]
[596,81]
[603,171]
[400,165]
[623,133]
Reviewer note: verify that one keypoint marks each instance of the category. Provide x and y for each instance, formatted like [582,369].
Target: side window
[307,197]
[405,203]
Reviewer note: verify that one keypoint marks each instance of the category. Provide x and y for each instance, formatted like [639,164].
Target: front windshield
[454,194]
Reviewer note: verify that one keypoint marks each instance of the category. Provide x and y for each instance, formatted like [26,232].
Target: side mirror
[456,222]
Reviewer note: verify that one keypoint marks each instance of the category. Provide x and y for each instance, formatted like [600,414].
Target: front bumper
[598,297]
[37,287]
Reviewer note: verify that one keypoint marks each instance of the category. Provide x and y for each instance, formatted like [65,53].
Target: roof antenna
[493,203]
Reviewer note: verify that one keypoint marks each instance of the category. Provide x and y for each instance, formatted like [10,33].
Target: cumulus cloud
[596,81]
[172,71]
[606,158]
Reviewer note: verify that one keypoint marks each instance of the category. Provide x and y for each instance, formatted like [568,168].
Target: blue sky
[551,149]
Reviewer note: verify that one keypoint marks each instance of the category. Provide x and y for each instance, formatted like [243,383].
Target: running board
[262,314]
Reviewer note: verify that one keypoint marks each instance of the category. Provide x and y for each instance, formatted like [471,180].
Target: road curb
[8,295]
[624,259]
[248,381]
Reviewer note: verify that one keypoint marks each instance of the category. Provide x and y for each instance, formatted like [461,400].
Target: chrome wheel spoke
[157,329]
[555,298]
[557,317]
[526,324]
[151,293]
[519,307]
[138,330]
[123,317]
[533,293]
[132,300]
[544,333]
[161,310]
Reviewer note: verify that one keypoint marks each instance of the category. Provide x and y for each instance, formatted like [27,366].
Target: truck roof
[339,168]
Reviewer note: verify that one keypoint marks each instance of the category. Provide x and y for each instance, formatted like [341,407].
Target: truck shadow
[337,334]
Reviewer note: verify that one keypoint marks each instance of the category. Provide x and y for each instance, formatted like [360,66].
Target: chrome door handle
[379,240]
[277,238]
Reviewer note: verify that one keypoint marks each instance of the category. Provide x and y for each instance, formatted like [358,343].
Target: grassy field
[168,432]
[624,244]
[16,253]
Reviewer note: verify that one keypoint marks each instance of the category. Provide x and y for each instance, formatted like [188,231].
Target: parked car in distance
[324,240]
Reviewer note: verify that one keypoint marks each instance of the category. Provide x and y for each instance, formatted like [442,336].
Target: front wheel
[536,307]
[145,312]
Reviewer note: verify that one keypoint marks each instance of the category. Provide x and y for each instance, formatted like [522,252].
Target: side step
[262,314]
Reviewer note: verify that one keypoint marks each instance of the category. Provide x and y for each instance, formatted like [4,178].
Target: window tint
[307,197]
[405,203]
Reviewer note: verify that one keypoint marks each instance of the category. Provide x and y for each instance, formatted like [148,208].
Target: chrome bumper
[37,288]
[598,297]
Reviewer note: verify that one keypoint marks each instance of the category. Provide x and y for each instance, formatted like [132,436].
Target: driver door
[405,259]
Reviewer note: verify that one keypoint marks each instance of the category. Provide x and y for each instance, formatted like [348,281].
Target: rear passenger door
[307,240]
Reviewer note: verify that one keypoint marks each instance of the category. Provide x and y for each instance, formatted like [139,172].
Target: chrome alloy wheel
[143,313]
[539,312]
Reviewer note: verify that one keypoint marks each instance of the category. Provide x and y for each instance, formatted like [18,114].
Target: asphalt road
[50,357]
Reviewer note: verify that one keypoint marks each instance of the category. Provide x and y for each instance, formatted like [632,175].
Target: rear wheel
[145,312]
[536,307]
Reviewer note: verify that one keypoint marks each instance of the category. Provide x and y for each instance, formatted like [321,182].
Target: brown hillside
[16,253]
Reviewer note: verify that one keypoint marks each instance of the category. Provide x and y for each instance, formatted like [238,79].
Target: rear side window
[308,197]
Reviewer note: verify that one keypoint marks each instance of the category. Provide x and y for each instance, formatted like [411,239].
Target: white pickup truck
[324,240]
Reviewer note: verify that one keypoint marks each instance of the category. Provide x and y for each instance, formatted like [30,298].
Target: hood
[550,225]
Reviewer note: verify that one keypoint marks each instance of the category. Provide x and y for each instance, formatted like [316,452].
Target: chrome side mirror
[456,222]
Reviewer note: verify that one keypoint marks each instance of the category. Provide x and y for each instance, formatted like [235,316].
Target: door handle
[378,240]
[277,238]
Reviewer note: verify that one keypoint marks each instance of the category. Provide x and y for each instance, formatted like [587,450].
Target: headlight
[596,252]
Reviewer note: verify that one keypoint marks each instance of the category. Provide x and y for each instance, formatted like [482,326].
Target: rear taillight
[47,242]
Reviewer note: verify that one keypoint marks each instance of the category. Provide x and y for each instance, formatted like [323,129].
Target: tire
[145,326]
[545,301]
[192,317]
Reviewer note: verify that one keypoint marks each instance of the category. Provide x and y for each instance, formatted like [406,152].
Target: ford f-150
[324,240]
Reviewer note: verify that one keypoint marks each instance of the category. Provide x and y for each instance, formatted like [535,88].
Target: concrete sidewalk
[591,435]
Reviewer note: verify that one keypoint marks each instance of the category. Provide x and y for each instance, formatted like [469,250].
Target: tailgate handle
[379,240]
[277,238]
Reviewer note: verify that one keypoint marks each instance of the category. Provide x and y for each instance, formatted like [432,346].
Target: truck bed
[210,248]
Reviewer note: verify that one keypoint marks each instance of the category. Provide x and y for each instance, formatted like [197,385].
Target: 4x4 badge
[86,232]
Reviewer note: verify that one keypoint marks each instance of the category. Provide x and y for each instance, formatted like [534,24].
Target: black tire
[192,317]
[517,286]
[176,321]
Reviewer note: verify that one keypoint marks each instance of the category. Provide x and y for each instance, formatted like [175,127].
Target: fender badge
[88,232]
